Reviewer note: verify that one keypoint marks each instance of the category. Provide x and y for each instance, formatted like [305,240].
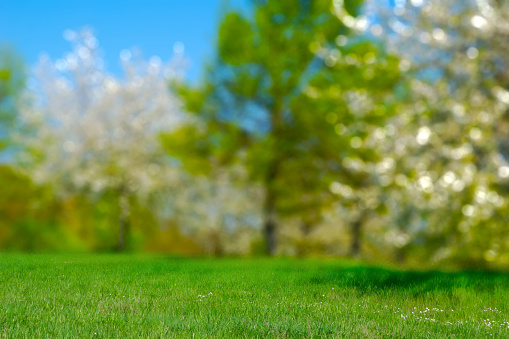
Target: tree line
[359,128]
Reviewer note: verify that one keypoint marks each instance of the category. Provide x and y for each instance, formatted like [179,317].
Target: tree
[218,210]
[12,81]
[97,134]
[450,146]
[275,99]
[28,218]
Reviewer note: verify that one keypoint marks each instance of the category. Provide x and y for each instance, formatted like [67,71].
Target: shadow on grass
[417,283]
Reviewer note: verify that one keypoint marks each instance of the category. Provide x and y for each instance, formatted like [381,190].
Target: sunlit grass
[146,296]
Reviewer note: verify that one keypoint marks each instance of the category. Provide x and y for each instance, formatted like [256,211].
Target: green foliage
[5,75]
[144,296]
[28,215]
[267,99]
[340,140]
[33,218]
[236,43]
[201,148]
[12,81]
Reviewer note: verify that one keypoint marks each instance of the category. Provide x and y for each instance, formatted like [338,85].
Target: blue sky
[35,26]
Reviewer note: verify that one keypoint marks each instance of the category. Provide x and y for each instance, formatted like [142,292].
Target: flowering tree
[218,210]
[451,134]
[95,133]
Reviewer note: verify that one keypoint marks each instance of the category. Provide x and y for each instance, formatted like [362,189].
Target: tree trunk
[401,255]
[269,210]
[269,227]
[123,220]
[215,248]
[302,244]
[355,247]
[269,230]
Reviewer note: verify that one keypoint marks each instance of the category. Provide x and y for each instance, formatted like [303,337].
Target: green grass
[127,296]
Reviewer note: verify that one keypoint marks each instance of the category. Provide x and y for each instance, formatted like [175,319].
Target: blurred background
[368,129]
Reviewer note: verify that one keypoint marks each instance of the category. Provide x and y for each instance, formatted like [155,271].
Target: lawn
[94,296]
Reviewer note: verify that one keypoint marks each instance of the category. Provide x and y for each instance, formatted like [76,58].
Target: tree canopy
[12,81]
[291,95]
[96,134]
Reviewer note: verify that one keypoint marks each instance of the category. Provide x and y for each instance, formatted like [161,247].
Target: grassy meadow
[107,295]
